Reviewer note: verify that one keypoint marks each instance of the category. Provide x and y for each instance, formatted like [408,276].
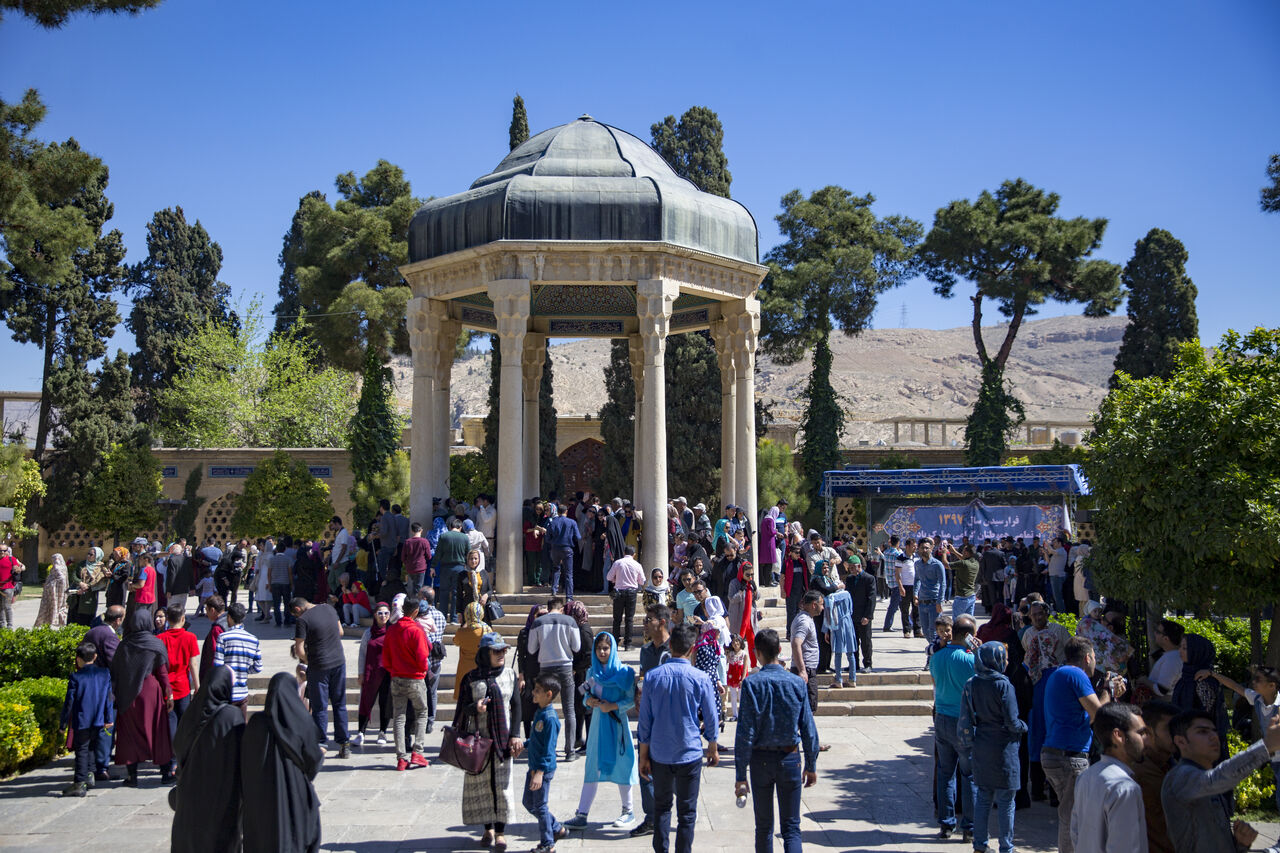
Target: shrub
[45,696]
[19,734]
[38,652]
[1258,790]
[1066,620]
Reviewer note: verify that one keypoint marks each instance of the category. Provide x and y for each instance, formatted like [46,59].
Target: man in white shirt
[486,518]
[1108,815]
[344,549]
[1166,671]
[1058,573]
[627,577]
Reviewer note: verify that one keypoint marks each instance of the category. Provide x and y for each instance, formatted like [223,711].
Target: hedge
[38,652]
[1230,638]
[19,734]
[1258,790]
[45,696]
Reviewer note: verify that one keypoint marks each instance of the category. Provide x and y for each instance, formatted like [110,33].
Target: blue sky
[1152,115]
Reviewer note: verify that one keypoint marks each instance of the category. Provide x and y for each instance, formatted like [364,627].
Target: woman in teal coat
[610,691]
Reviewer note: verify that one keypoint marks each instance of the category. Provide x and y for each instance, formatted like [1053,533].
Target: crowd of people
[1023,710]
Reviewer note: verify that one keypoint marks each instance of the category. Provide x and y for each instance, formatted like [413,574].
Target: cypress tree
[550,476]
[822,422]
[617,427]
[1162,307]
[374,434]
[519,130]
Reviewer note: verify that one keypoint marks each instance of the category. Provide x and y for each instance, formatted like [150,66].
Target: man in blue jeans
[931,580]
[1069,705]
[318,643]
[562,540]
[774,722]
[670,740]
[951,667]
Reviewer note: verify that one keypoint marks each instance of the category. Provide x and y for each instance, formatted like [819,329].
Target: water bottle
[742,801]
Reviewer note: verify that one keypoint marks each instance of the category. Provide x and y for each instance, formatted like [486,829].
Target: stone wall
[223,471]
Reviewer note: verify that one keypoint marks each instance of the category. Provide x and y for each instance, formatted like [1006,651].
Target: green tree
[288,309]
[1185,472]
[390,483]
[835,261]
[1162,306]
[234,389]
[617,424]
[282,498]
[20,481]
[346,261]
[175,292]
[184,520]
[550,477]
[469,475]
[1270,196]
[374,435]
[120,497]
[1019,254]
[777,477]
[896,462]
[519,130]
[693,146]
[52,14]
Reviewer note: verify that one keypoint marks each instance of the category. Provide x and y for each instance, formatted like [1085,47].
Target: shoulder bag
[469,752]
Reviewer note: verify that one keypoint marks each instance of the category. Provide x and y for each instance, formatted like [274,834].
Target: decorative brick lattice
[1084,530]
[848,524]
[72,541]
[215,521]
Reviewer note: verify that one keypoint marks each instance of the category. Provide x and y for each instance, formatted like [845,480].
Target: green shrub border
[38,652]
[19,734]
[45,697]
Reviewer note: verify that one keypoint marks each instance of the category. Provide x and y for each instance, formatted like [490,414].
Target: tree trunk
[1273,644]
[1015,323]
[1255,637]
[978,342]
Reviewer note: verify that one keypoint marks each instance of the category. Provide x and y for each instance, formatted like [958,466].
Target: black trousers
[864,640]
[812,688]
[909,607]
[85,743]
[624,608]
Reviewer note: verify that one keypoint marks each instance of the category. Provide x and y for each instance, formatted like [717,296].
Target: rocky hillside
[1059,369]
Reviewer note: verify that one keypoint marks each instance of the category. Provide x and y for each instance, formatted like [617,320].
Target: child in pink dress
[737,672]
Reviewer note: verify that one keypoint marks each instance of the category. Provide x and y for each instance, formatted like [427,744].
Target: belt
[1070,753]
[778,749]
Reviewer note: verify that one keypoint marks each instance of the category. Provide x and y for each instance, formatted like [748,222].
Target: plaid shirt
[237,649]
[432,621]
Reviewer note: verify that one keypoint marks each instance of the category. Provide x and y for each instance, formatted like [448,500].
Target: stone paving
[873,793]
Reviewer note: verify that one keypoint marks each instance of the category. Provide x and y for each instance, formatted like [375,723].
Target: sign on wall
[242,471]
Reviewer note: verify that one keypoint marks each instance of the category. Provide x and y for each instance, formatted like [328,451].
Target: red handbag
[469,752]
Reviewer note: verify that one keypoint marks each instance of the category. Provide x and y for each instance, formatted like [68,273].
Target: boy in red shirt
[406,656]
[184,665]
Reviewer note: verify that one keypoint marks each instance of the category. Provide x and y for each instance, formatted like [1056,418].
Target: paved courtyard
[873,793]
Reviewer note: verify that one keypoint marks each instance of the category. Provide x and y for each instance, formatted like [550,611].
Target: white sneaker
[357,739]
[624,820]
[382,739]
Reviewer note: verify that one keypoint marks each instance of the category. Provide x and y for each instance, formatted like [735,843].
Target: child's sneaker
[578,821]
[624,820]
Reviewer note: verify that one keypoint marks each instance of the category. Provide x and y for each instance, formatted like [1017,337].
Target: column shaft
[535,355]
[636,352]
[422,435]
[654,298]
[511,308]
[744,358]
[728,412]
[441,409]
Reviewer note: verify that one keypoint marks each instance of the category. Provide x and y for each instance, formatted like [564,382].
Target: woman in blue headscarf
[990,730]
[610,691]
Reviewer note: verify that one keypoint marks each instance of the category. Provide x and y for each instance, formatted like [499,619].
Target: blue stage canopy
[1027,479]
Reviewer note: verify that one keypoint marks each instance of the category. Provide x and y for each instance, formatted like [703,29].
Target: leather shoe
[645,828]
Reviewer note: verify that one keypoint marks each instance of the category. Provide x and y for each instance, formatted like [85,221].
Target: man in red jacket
[406,656]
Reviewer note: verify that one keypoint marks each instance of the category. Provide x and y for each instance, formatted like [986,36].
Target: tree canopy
[52,14]
[374,434]
[1018,253]
[1270,196]
[777,477]
[175,291]
[20,481]
[120,497]
[693,147]
[233,388]
[1161,305]
[1186,475]
[281,497]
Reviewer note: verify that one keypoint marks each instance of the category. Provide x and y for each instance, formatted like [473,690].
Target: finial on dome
[585,117]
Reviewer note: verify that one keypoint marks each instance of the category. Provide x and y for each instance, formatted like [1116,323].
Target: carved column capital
[511,311]
[743,326]
[654,300]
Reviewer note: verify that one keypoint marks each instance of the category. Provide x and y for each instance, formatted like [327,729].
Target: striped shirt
[237,649]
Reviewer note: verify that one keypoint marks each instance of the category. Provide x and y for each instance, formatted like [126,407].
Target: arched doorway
[581,464]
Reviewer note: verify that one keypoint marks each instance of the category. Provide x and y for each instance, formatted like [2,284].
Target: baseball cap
[493,641]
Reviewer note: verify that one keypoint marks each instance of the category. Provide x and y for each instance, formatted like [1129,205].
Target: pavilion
[582,231]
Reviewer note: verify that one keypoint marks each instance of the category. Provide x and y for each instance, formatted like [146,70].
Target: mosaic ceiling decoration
[583,300]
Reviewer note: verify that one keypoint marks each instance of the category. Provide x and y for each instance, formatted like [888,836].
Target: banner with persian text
[976,520]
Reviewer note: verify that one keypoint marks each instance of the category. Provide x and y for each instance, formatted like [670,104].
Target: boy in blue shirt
[541,748]
[87,709]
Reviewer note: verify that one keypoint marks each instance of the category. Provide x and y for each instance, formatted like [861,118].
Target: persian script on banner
[975,520]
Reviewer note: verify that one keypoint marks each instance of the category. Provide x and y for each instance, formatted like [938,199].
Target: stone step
[866,692]
[903,708]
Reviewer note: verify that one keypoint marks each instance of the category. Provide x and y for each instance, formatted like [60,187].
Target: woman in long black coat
[279,758]
[206,801]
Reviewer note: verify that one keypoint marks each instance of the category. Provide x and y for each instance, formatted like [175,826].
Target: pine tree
[1162,307]
[53,14]
[550,477]
[289,307]
[693,146]
[519,131]
[374,436]
[822,423]
[176,291]
[1269,199]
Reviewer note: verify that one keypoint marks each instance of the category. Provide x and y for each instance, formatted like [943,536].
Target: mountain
[1059,368]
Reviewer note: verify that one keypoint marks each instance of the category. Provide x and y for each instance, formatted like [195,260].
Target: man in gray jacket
[1193,791]
[554,639]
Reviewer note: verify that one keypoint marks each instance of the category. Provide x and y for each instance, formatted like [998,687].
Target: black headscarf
[500,723]
[206,801]
[279,757]
[1200,655]
[613,537]
[139,654]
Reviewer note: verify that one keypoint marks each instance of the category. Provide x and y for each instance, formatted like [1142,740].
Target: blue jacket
[543,735]
[992,710]
[562,532]
[88,704]
[930,579]
[774,714]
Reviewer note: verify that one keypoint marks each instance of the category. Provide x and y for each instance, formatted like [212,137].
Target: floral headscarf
[577,611]
[474,617]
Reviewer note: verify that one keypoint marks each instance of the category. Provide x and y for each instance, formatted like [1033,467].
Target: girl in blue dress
[610,692]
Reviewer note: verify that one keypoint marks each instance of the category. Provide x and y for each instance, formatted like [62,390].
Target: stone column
[654,298]
[535,356]
[746,331]
[422,345]
[635,350]
[720,333]
[511,308]
[446,338]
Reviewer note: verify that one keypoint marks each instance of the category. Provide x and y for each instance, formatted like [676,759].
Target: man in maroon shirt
[406,656]
[415,553]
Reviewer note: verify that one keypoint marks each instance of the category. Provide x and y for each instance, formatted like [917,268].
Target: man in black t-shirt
[317,639]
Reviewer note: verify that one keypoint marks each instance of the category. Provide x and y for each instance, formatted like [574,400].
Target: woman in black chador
[206,801]
[279,758]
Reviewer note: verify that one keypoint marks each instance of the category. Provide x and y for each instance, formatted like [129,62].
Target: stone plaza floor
[873,793]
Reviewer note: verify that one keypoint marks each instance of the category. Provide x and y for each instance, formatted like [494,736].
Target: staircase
[886,692]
